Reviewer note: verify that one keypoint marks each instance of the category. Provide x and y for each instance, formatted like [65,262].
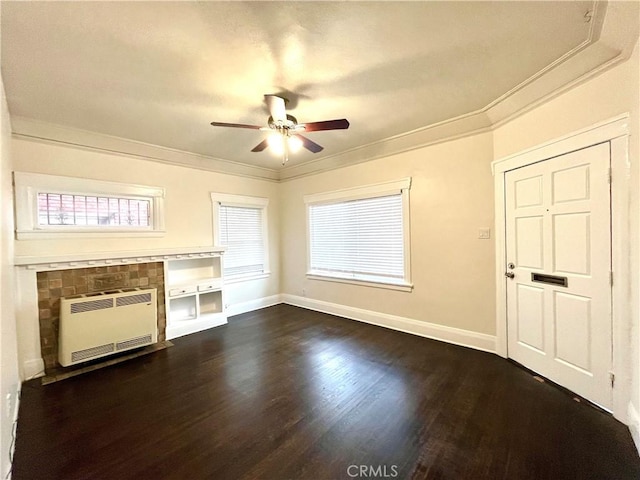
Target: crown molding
[35,130]
[612,37]
[459,127]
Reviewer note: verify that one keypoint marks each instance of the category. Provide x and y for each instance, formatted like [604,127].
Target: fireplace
[43,280]
[54,284]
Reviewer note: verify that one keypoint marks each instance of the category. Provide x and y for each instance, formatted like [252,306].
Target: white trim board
[14,409]
[600,132]
[251,305]
[204,322]
[615,131]
[634,424]
[455,336]
[33,368]
[115,257]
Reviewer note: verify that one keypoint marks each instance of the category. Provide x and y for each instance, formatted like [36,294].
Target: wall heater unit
[97,325]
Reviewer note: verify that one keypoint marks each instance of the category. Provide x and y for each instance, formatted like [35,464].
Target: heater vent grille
[91,352]
[115,321]
[134,342]
[133,299]
[91,305]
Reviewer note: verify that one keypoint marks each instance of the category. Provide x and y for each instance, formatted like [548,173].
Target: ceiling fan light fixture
[295,144]
[276,143]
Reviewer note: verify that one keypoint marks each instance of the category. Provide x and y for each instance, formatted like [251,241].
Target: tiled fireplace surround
[42,280]
[63,283]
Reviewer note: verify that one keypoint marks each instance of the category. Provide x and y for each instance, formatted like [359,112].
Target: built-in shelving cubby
[210,303]
[183,309]
[194,293]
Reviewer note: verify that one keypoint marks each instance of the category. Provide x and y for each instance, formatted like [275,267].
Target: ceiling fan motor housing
[286,126]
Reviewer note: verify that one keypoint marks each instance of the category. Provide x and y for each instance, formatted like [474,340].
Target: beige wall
[451,198]
[188,211]
[8,336]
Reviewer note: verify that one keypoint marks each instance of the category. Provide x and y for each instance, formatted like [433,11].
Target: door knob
[509,274]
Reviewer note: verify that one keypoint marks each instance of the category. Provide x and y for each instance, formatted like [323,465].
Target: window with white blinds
[363,238]
[241,227]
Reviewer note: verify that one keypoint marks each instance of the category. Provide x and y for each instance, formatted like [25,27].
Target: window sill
[246,278]
[48,234]
[400,286]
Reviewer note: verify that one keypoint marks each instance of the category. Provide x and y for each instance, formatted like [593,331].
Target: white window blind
[241,231]
[359,239]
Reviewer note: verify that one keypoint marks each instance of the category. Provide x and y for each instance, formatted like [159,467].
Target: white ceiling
[159,72]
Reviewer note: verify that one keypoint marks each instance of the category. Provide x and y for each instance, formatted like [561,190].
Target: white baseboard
[14,424]
[187,327]
[16,402]
[634,424]
[33,368]
[456,336]
[251,305]
[13,397]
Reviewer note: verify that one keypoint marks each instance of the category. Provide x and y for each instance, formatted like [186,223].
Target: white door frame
[616,131]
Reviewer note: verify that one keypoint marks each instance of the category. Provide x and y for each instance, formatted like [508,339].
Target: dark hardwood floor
[287,393]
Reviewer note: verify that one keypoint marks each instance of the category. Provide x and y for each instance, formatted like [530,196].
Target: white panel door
[558,270]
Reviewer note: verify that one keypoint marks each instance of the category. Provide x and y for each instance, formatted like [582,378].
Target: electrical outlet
[484,233]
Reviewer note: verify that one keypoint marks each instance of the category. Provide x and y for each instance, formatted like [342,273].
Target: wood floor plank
[288,393]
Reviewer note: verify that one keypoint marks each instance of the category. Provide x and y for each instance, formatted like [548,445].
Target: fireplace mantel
[29,267]
[97,259]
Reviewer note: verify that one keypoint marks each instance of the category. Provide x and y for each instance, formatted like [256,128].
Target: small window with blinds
[241,227]
[361,235]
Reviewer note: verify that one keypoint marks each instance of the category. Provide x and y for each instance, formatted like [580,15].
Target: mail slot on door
[549,279]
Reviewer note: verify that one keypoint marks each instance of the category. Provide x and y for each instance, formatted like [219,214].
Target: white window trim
[242,201]
[401,186]
[29,185]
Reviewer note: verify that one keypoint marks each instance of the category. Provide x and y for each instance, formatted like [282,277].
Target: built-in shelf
[193,271]
[210,303]
[183,309]
[194,294]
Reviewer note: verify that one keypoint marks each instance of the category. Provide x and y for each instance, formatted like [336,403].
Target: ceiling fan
[285,137]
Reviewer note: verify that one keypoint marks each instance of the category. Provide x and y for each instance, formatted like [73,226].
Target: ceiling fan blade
[276,108]
[235,125]
[339,124]
[261,146]
[310,145]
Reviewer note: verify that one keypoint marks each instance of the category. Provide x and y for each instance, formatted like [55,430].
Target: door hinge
[612,378]
[611,279]
[610,175]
